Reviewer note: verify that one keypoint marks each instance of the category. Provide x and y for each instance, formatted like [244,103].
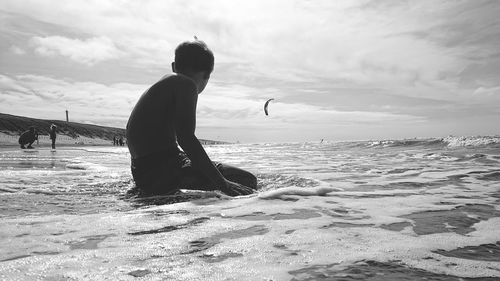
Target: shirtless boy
[165,117]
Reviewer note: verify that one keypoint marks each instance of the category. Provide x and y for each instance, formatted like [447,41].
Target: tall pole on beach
[67,118]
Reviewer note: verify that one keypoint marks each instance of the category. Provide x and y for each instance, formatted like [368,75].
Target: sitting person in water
[167,112]
[28,138]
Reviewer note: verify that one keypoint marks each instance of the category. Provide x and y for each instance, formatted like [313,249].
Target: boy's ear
[173,67]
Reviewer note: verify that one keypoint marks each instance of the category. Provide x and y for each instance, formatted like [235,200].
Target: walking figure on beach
[167,112]
[28,138]
[52,133]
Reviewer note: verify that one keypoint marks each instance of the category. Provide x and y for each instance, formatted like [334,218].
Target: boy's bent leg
[237,175]
[192,178]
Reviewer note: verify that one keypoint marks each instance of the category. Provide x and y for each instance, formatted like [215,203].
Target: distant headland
[68,133]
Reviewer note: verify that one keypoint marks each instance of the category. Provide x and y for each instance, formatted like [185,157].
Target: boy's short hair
[195,56]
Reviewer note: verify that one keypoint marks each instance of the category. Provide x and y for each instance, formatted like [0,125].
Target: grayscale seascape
[371,126]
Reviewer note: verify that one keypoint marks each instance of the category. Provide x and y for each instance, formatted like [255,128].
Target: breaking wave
[449,141]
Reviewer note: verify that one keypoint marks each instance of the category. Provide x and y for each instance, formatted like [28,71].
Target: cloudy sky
[338,70]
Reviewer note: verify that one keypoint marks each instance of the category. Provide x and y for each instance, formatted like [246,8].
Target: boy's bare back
[151,126]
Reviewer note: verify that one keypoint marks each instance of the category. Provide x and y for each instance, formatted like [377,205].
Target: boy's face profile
[202,81]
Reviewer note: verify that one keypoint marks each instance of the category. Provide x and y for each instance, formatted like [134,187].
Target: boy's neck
[196,77]
[188,75]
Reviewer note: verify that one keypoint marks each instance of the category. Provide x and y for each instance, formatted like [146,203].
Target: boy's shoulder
[177,81]
[176,78]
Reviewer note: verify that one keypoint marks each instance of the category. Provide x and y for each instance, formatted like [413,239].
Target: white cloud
[17,50]
[89,51]
[282,39]
[410,59]
[487,96]
[49,98]
[9,84]
[234,111]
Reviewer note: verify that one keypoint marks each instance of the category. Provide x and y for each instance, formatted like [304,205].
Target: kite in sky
[265,106]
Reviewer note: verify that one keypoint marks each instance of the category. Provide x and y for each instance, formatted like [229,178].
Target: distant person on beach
[120,141]
[28,138]
[167,112]
[114,140]
[52,134]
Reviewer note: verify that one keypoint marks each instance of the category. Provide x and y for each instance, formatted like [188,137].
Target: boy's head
[194,56]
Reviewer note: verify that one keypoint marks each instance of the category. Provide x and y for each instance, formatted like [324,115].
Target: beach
[44,141]
[419,209]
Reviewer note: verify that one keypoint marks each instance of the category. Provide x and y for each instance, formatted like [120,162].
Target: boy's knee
[253,182]
[246,179]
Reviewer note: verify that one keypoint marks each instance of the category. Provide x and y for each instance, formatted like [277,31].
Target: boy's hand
[236,189]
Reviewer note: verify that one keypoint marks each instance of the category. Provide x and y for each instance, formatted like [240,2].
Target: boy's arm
[185,125]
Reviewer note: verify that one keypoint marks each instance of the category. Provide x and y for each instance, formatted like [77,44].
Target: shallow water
[381,210]
[68,181]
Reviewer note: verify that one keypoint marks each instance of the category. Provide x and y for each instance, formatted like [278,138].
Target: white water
[413,209]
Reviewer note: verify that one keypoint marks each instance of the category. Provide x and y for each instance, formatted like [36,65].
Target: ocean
[418,209]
